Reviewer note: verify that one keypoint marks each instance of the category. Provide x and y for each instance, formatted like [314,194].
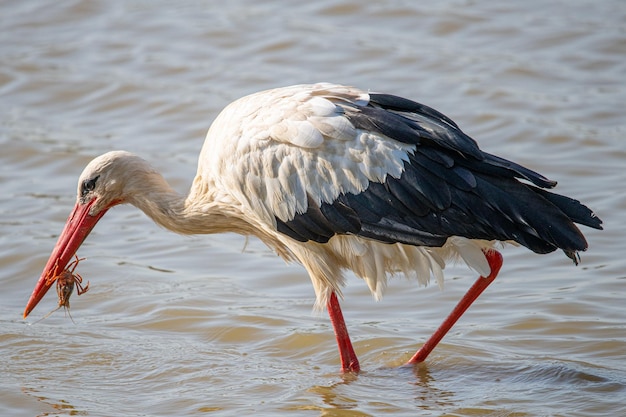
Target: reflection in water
[334,402]
[329,393]
[428,396]
[340,399]
[441,387]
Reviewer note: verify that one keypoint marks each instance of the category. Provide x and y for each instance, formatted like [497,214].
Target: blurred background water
[216,325]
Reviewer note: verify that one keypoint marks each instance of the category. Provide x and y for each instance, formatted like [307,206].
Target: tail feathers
[573,209]
[577,213]
[538,219]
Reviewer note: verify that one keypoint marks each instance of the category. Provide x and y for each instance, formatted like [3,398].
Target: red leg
[495,262]
[349,361]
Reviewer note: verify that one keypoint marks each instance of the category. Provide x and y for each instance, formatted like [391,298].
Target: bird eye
[89,185]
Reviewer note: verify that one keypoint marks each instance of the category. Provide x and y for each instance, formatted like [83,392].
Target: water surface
[216,325]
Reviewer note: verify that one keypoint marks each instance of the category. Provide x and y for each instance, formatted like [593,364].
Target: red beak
[78,226]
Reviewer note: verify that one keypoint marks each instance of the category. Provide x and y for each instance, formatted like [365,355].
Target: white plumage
[293,143]
[339,179]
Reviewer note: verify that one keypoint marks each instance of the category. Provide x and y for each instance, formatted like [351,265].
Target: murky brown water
[191,325]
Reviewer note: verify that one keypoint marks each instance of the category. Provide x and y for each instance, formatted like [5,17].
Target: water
[215,325]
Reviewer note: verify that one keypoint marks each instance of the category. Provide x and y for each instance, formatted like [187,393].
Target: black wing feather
[449,187]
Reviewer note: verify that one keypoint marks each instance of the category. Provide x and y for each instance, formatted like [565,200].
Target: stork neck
[196,213]
[166,208]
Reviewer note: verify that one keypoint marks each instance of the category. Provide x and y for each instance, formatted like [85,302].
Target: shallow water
[216,325]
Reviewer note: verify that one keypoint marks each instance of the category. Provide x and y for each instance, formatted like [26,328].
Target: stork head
[106,181]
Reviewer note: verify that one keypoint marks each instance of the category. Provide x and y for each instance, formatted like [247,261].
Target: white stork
[340,179]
